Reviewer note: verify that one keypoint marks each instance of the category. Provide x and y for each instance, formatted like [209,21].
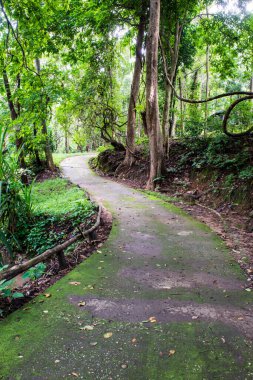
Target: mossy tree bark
[135,88]
[15,113]
[47,147]
[152,107]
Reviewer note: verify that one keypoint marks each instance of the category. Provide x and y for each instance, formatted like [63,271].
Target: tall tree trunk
[207,86]
[174,52]
[47,147]
[152,107]
[14,115]
[251,89]
[36,152]
[135,88]
[180,82]
[66,136]
[166,117]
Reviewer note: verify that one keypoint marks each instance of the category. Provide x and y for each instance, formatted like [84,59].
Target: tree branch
[17,269]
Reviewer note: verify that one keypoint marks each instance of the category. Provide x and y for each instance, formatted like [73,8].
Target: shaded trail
[158,262]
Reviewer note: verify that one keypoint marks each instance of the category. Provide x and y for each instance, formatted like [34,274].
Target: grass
[58,209]
[59,157]
[57,197]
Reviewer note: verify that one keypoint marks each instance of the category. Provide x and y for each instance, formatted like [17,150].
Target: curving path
[163,299]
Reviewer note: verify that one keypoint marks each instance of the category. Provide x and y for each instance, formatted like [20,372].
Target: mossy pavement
[161,300]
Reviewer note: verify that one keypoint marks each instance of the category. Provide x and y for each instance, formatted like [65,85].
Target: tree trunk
[135,88]
[166,117]
[14,115]
[66,142]
[251,89]
[207,86]
[180,82]
[174,52]
[152,107]
[47,148]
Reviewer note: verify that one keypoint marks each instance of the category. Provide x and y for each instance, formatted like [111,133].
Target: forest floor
[162,299]
[59,207]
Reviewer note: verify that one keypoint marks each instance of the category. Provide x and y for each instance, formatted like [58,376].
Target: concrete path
[161,300]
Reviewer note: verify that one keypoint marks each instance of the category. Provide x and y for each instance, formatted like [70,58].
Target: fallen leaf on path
[108,335]
[124,366]
[93,343]
[57,361]
[87,328]
[172,352]
[194,317]
[240,319]
[134,340]
[80,304]
[75,374]
[152,319]
[75,283]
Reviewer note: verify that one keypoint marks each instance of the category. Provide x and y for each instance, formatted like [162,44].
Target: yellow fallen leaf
[47,295]
[108,335]
[82,303]
[152,319]
[75,374]
[75,283]
[172,352]
[87,328]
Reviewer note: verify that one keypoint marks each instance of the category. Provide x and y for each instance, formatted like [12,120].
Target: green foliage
[15,196]
[60,208]
[246,174]
[103,148]
[220,153]
[5,288]
[35,272]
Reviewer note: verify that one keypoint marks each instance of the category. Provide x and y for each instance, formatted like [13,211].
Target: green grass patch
[58,197]
[59,157]
[58,209]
